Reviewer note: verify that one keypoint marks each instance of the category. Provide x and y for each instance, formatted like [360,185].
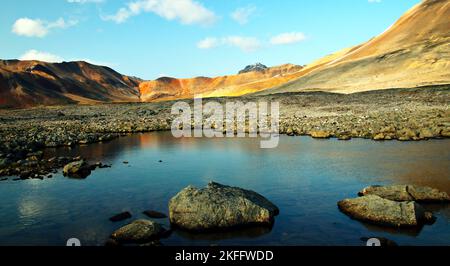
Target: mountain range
[413,52]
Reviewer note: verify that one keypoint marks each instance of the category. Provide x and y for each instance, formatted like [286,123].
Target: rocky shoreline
[400,114]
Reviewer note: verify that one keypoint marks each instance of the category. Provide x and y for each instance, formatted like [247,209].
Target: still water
[304,177]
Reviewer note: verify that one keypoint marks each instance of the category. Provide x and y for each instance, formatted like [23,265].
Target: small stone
[406,134]
[445,133]
[120,217]
[290,132]
[379,136]
[426,133]
[320,134]
[77,169]
[344,137]
[155,214]
[139,231]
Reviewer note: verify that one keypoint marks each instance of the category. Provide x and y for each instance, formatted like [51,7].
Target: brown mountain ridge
[413,52]
[31,83]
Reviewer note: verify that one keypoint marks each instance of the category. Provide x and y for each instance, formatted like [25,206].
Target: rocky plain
[397,114]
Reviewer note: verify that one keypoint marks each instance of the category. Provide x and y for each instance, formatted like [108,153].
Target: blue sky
[186,38]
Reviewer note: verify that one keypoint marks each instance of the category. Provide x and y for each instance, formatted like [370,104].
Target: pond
[304,177]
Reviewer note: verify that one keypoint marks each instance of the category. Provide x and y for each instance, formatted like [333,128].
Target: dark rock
[377,210]
[120,217]
[219,207]
[77,169]
[139,231]
[344,137]
[111,243]
[155,214]
[25,174]
[101,165]
[154,243]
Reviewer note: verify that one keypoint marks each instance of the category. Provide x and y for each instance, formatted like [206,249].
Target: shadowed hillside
[31,83]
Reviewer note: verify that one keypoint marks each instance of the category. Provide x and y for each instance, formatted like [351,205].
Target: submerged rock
[77,169]
[407,193]
[219,207]
[155,214]
[120,217]
[139,231]
[377,210]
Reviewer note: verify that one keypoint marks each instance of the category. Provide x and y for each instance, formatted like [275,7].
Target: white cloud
[52,58]
[208,43]
[374,1]
[242,15]
[38,28]
[41,56]
[246,44]
[287,38]
[29,27]
[186,11]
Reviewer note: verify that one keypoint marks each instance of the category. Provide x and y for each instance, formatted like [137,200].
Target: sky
[188,38]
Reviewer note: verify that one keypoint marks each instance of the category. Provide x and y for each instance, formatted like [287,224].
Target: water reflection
[304,177]
[248,232]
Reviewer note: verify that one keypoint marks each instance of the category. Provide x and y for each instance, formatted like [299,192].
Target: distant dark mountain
[251,68]
[253,79]
[32,83]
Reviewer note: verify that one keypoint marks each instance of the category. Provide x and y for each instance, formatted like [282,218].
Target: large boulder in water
[406,193]
[219,207]
[377,210]
[139,231]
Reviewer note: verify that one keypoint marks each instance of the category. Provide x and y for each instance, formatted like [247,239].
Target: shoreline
[400,114]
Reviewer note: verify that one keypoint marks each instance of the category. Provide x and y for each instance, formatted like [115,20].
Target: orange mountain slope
[31,83]
[413,52]
[235,85]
